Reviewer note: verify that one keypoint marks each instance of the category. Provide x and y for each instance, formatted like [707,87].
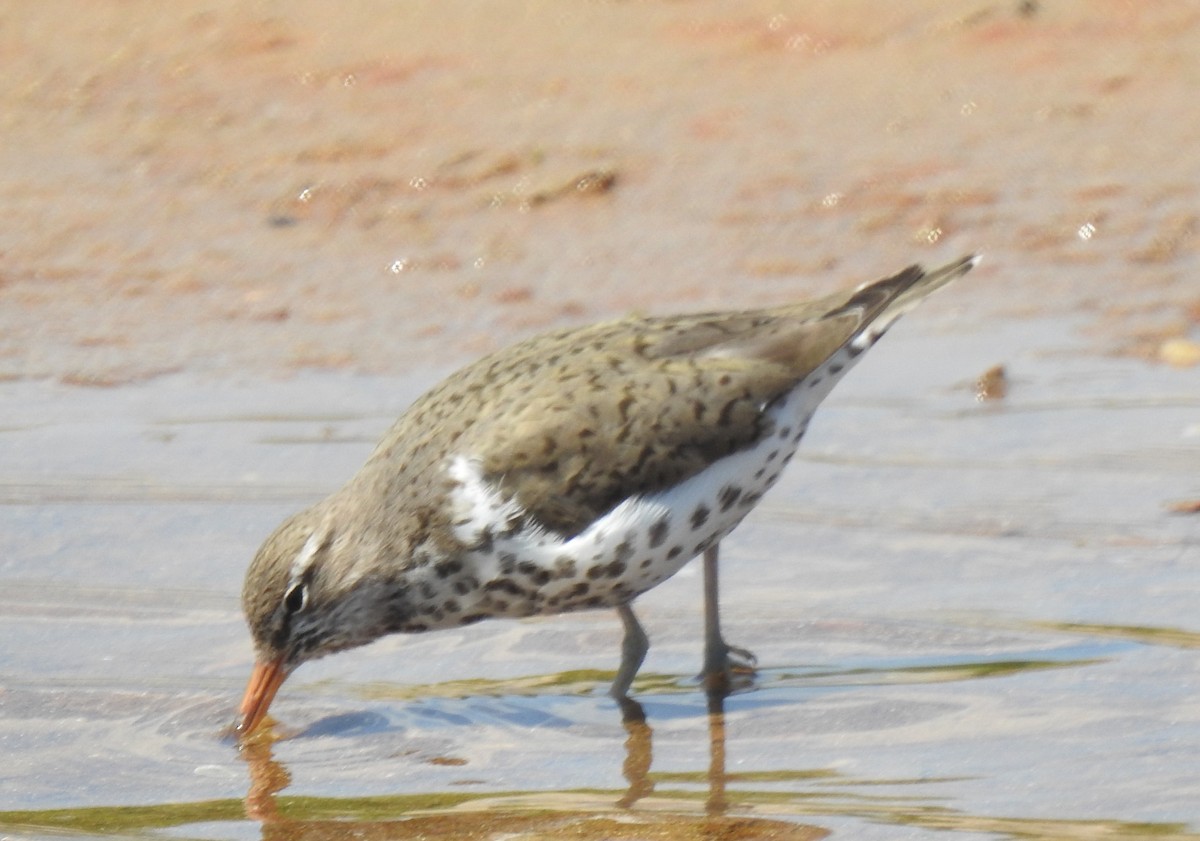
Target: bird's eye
[295,598]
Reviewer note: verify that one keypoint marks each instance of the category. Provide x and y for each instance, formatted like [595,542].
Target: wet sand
[286,188]
[242,238]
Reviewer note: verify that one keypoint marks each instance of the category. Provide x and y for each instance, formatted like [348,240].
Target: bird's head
[305,596]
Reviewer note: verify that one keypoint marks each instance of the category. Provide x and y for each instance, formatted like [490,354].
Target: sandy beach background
[272,187]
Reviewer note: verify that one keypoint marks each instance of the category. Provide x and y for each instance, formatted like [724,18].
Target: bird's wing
[578,421]
[654,403]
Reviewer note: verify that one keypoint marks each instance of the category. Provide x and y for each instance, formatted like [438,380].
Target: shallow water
[975,617]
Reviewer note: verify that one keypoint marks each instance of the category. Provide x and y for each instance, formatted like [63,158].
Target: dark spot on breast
[659,532]
[427,590]
[646,562]
[813,382]
[674,552]
[615,569]
[836,368]
[624,550]
[451,606]
[579,589]
[699,516]
[564,567]
[771,456]
[397,616]
[503,585]
[728,496]
[421,558]
[785,431]
[508,563]
[445,569]
[595,572]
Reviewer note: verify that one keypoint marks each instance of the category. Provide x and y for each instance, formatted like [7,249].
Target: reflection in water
[268,777]
[615,820]
[639,752]
[717,802]
[667,804]
[645,808]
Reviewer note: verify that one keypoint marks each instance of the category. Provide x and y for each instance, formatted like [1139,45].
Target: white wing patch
[478,507]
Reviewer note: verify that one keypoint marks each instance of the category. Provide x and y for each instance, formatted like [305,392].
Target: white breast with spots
[638,544]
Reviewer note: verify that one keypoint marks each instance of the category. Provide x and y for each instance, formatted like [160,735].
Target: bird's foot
[631,711]
[727,668]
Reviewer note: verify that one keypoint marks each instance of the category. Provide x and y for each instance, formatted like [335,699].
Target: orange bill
[265,681]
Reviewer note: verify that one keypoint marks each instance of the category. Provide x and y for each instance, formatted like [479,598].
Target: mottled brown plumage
[561,430]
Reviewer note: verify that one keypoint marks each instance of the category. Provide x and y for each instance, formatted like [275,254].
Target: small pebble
[992,384]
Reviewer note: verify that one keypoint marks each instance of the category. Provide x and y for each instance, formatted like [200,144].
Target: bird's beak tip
[265,680]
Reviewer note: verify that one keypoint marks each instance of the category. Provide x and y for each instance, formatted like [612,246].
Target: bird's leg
[633,652]
[638,750]
[721,660]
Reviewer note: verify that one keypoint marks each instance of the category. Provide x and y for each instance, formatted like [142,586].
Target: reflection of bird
[574,470]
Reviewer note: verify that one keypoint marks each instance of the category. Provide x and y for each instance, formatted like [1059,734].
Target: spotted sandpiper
[574,470]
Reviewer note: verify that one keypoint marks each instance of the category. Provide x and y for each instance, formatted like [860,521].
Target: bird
[573,470]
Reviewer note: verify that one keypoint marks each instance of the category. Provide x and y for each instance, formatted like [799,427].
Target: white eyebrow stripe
[306,555]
